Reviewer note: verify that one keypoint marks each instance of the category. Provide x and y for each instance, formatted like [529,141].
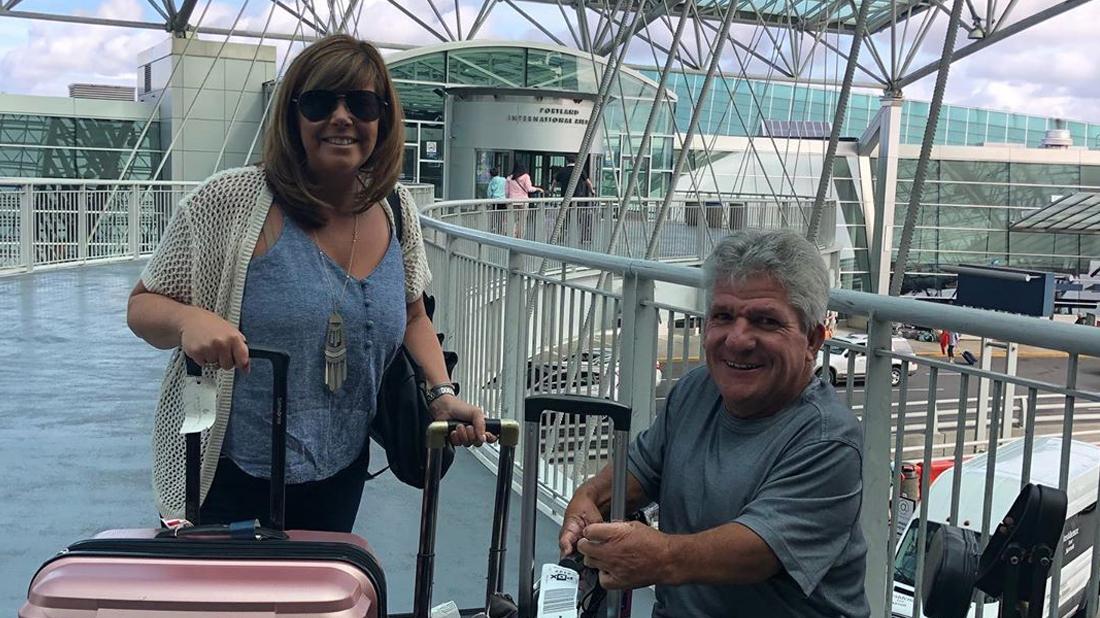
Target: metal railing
[54,222]
[530,317]
[690,231]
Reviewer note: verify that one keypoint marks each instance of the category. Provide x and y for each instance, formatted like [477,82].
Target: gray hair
[794,262]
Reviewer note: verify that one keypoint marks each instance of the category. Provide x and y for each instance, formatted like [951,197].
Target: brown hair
[339,62]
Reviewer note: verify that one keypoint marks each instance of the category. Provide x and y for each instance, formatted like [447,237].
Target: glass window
[552,69]
[408,164]
[1044,174]
[430,68]
[420,101]
[1090,176]
[431,142]
[432,172]
[488,67]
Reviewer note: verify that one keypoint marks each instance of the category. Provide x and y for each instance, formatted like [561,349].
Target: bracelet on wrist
[439,390]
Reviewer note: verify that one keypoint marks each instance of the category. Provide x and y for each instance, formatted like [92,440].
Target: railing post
[875,516]
[26,228]
[135,221]
[638,359]
[82,223]
[515,327]
[450,301]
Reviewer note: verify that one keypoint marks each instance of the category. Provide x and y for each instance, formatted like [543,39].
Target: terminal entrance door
[540,165]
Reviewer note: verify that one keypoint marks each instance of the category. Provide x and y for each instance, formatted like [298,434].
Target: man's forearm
[728,554]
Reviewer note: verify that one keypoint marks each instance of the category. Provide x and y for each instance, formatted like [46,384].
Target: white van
[838,360]
[1077,536]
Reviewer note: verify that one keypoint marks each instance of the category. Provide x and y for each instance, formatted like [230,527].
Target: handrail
[18,180]
[994,325]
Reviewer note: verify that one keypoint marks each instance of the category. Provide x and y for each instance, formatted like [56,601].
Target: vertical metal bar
[133,209]
[838,122]
[528,515]
[960,436]
[498,545]
[1029,436]
[899,444]
[1063,480]
[82,223]
[925,475]
[991,461]
[514,365]
[640,336]
[425,558]
[875,515]
[849,387]
[26,228]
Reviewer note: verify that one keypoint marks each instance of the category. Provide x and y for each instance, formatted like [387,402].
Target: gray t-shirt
[794,478]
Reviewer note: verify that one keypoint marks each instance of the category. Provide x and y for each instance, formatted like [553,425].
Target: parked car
[917,333]
[838,361]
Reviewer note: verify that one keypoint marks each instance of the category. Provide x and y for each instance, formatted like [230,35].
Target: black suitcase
[584,406]
[508,435]
[969,357]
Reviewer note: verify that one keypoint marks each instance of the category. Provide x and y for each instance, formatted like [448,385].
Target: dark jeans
[330,504]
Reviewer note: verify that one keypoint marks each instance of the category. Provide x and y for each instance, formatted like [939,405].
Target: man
[755,463]
[584,188]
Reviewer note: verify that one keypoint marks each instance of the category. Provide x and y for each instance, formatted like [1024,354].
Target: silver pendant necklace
[336,350]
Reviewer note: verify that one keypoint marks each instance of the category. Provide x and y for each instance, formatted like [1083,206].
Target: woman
[518,187]
[299,254]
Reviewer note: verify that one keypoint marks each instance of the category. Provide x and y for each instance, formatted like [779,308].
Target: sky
[1049,70]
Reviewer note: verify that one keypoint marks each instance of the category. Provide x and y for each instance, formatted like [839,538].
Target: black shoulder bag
[402,415]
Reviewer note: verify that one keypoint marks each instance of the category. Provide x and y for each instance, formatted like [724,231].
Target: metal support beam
[156,7]
[885,192]
[315,25]
[145,25]
[419,21]
[999,35]
[535,23]
[179,23]
[693,125]
[916,193]
[838,122]
[442,21]
[482,15]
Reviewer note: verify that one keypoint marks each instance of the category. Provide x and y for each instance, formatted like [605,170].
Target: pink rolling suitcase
[240,570]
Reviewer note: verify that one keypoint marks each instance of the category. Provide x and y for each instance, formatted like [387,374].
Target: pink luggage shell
[163,586]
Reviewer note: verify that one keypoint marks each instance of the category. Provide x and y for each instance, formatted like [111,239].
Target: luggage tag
[558,592]
[200,398]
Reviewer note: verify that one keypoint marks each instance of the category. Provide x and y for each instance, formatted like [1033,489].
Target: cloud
[1049,69]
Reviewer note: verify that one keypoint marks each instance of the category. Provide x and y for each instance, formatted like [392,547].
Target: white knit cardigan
[202,260]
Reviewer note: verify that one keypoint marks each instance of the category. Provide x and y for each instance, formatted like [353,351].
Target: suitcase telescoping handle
[581,405]
[507,432]
[280,361]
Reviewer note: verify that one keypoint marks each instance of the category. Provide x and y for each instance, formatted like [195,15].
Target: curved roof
[400,58]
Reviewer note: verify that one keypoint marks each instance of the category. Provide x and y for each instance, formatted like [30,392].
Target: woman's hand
[208,339]
[451,408]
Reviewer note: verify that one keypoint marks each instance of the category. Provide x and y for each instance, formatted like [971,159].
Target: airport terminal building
[474,105]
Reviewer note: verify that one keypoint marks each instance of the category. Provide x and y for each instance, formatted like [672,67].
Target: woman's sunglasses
[316,105]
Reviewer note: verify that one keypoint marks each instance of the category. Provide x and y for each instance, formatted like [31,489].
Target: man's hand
[580,513]
[627,554]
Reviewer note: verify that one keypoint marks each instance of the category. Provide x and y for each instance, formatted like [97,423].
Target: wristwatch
[439,390]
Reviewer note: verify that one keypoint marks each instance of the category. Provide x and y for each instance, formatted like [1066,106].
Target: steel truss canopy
[1074,214]
[807,15]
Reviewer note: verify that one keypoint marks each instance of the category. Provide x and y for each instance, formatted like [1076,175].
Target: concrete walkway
[76,417]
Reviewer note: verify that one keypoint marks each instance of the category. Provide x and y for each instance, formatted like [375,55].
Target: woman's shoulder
[236,187]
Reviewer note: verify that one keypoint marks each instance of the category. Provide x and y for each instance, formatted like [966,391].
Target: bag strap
[394,198]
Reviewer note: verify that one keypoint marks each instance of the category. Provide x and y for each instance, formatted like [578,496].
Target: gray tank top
[288,296]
